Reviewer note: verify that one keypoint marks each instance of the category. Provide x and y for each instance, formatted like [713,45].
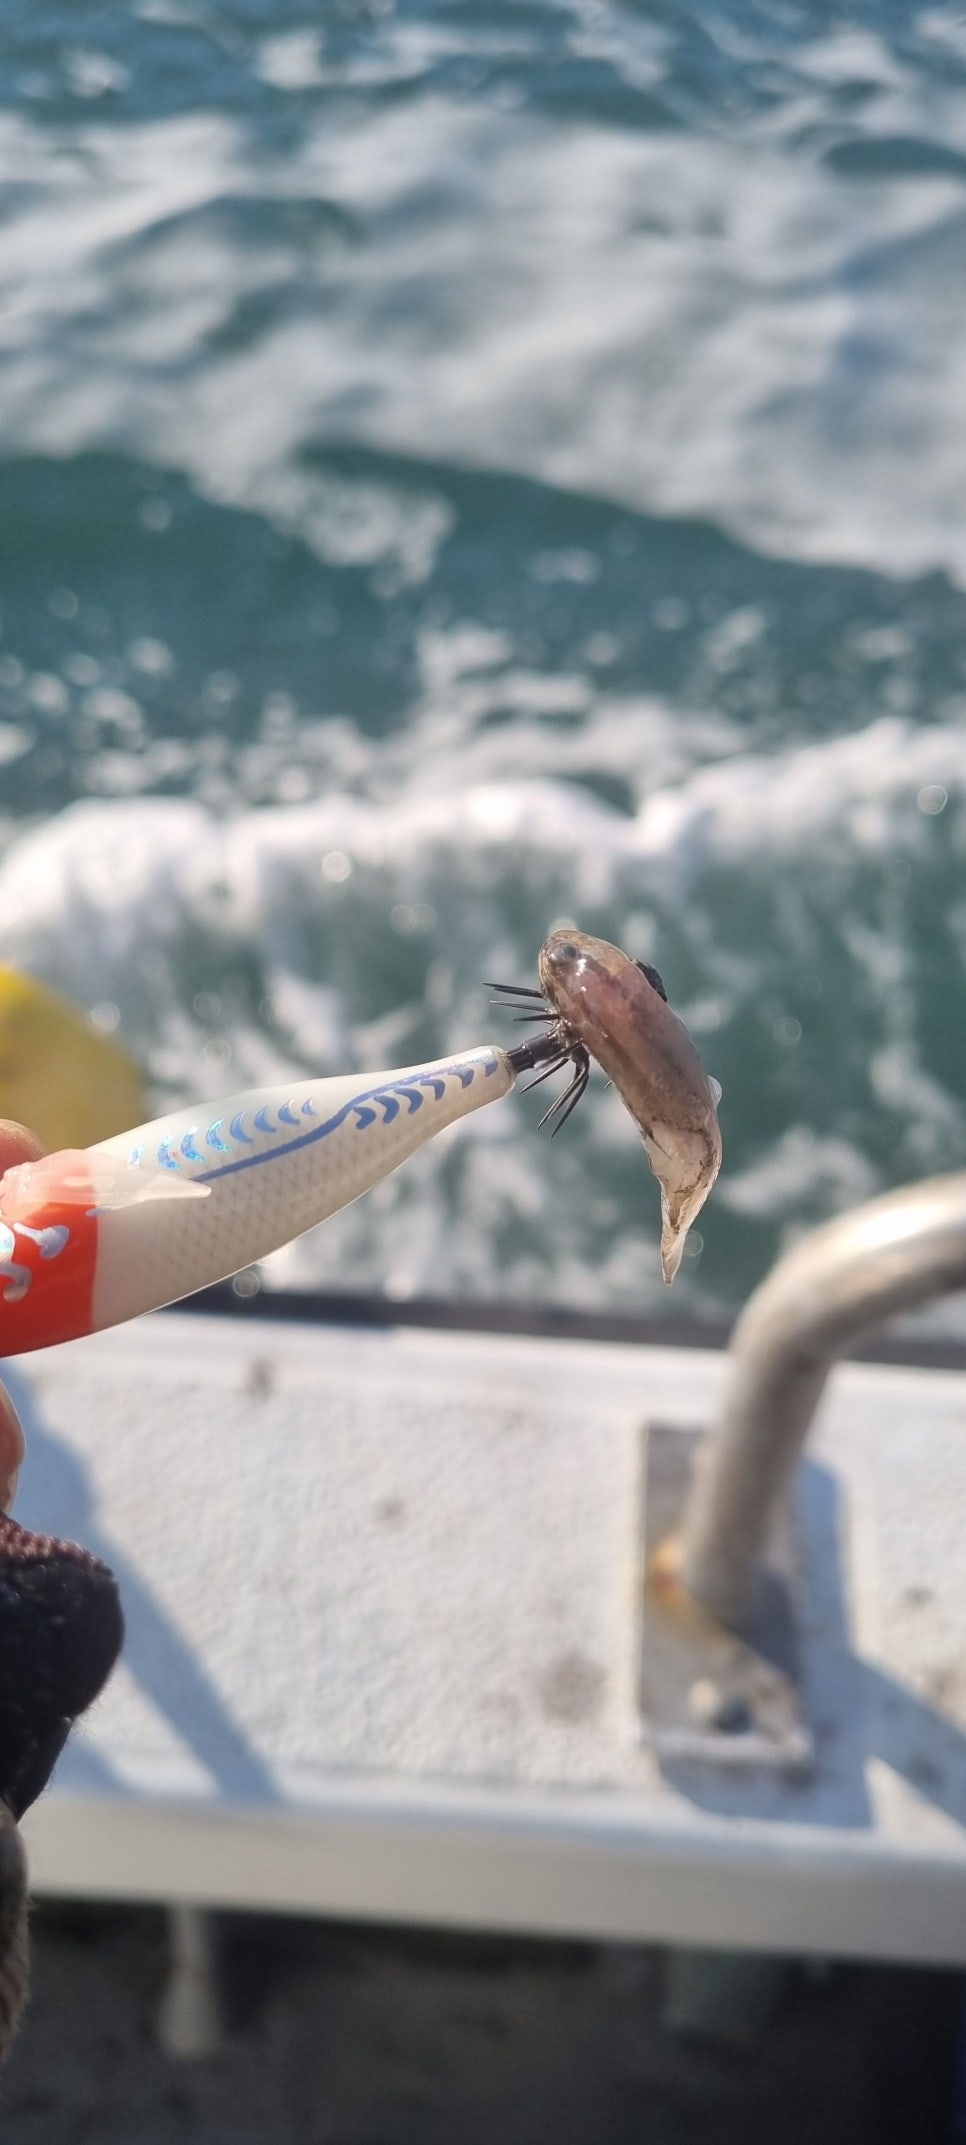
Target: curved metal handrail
[888,1256]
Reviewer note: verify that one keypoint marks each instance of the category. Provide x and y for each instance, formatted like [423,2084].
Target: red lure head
[48,1253]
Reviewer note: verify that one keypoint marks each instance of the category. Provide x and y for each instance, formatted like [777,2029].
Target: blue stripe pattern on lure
[365,1106]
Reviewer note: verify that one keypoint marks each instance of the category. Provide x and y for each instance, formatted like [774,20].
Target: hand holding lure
[92,1236]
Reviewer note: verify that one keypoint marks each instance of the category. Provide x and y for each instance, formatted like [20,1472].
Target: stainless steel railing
[891,1255]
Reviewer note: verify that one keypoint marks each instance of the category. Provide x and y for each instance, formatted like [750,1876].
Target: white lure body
[94,1236]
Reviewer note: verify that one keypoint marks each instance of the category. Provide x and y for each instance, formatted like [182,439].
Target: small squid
[606,1006]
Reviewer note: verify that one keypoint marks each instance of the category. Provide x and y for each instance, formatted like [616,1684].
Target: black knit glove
[60,1635]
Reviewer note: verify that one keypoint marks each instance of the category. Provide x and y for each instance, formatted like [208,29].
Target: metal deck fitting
[838,1282]
[386,1641]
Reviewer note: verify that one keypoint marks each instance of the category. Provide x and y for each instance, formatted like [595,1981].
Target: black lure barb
[553,1051]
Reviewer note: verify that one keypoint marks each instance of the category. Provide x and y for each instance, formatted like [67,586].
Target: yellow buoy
[58,1075]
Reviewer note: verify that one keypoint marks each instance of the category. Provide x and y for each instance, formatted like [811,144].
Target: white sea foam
[124,871]
[717,321]
[864,788]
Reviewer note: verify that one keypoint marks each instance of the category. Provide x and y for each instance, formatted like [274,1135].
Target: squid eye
[653,979]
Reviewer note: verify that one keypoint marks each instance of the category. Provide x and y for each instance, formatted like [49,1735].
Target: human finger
[16,1145]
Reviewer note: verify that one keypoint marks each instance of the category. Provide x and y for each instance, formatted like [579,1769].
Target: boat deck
[383,1601]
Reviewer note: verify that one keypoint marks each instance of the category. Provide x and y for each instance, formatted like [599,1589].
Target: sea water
[465,467]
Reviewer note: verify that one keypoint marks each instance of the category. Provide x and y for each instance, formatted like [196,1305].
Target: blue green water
[468,466]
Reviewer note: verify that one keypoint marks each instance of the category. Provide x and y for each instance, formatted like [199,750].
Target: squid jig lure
[92,1236]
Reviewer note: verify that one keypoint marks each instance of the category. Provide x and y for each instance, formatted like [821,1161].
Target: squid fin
[685,1164]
